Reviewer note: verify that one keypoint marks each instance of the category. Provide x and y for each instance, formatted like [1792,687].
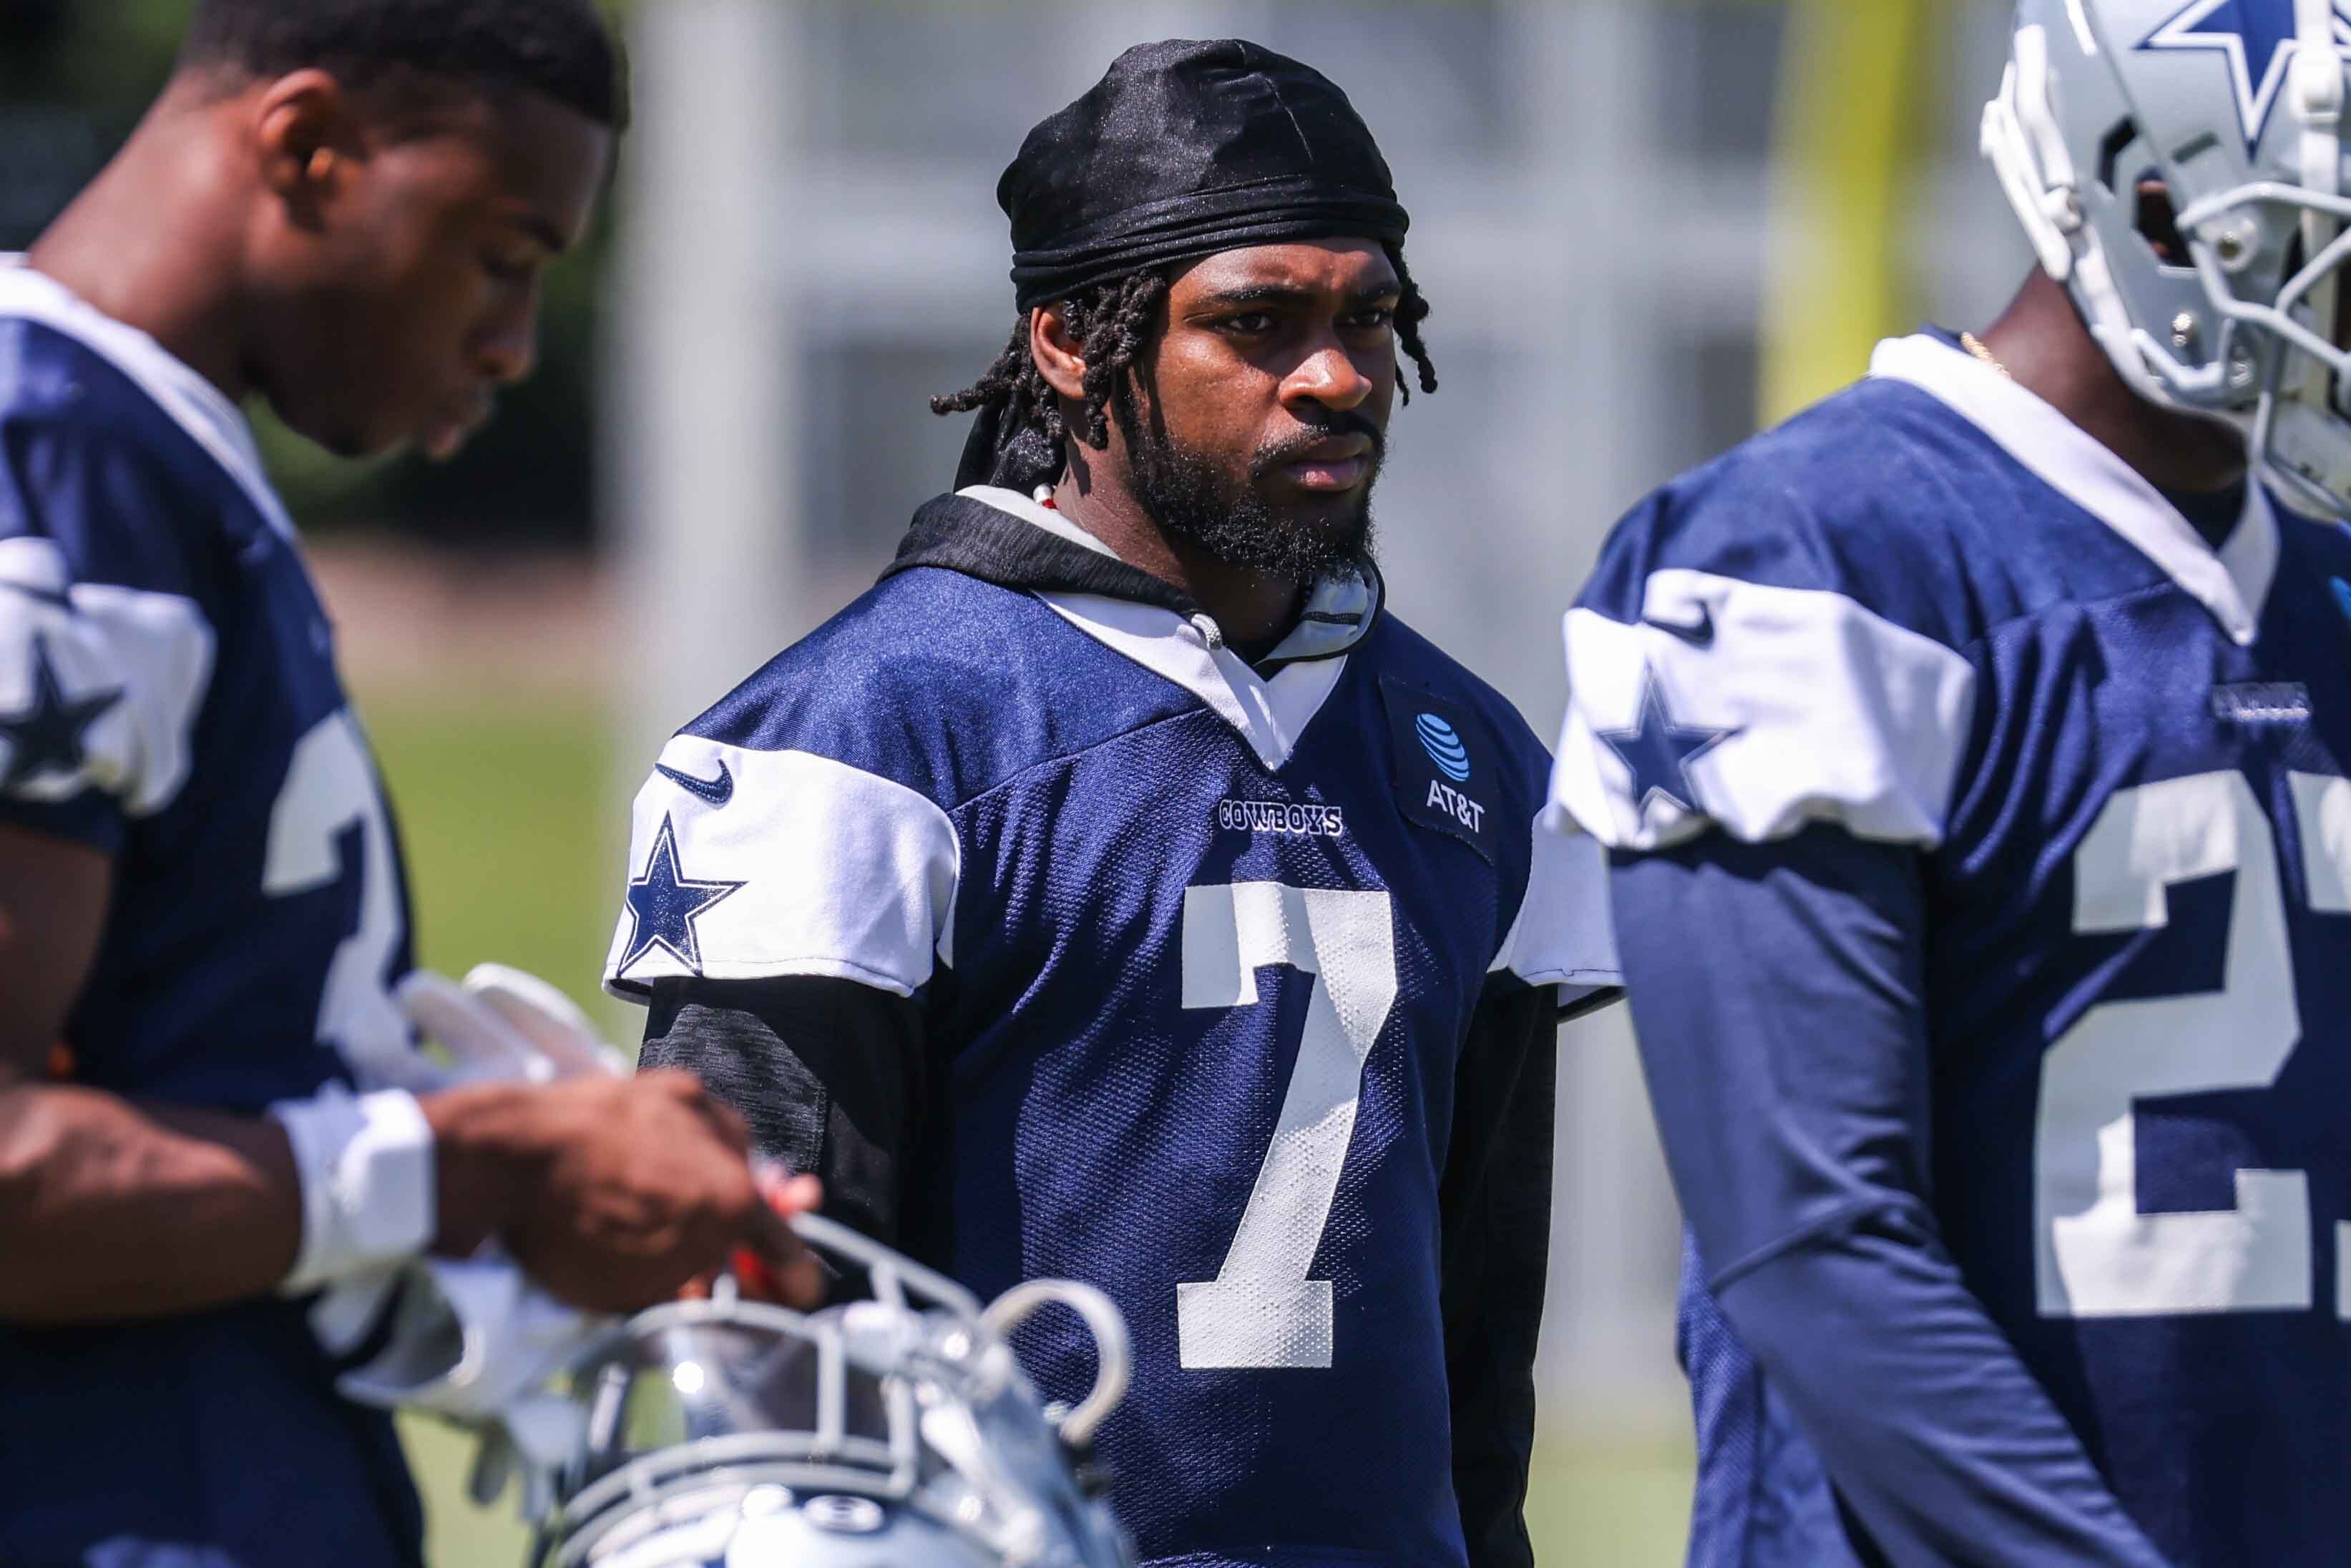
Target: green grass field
[504,809]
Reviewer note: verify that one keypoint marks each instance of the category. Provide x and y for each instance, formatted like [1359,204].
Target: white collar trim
[2233,582]
[193,403]
[1270,713]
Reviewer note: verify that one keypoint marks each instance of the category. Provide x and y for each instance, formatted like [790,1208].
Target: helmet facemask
[898,1432]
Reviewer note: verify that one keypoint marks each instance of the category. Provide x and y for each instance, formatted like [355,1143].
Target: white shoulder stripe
[1758,709]
[100,686]
[750,864]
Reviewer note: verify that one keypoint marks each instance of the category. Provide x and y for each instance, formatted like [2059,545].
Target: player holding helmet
[1974,752]
[346,206]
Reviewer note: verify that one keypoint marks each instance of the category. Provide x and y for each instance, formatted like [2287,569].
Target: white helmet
[894,1433]
[2237,107]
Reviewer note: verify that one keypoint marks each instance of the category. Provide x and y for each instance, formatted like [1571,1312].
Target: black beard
[1230,516]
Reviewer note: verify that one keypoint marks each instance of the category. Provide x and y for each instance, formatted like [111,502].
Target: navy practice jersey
[1935,614]
[1199,946]
[168,698]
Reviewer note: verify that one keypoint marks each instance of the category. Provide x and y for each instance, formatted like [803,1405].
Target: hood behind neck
[962,533]
[982,539]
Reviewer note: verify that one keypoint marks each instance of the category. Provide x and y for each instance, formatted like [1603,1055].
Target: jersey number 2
[2097,1255]
[331,788]
[1261,1310]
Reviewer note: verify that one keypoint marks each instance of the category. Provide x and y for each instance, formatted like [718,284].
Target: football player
[344,206]
[1972,750]
[1118,891]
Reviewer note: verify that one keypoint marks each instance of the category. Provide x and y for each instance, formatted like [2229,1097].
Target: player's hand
[618,1191]
[774,1266]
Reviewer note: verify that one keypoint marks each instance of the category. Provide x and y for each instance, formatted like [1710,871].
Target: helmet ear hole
[2153,213]
[2158,222]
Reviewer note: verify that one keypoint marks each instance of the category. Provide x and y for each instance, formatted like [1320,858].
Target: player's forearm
[114,1210]
[110,1210]
[1937,1437]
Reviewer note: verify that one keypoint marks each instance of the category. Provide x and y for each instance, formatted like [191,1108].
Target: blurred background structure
[1646,227]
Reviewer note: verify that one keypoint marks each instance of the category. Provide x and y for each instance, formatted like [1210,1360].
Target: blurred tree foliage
[76,74]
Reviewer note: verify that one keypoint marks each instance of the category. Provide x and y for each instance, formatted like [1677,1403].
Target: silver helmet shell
[894,1433]
[2236,107]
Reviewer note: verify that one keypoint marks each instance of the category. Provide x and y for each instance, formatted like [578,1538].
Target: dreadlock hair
[562,49]
[1112,322]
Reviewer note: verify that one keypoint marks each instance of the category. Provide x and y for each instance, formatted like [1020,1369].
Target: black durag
[1182,150]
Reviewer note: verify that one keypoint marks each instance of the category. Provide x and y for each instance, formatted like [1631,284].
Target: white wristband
[368,1199]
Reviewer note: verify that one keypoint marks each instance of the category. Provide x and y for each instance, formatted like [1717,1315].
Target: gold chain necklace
[1975,345]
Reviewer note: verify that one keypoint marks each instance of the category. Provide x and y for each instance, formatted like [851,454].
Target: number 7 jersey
[1938,614]
[1197,948]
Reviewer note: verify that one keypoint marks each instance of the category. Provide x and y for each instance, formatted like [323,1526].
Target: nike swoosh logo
[41,595]
[717,791]
[1698,634]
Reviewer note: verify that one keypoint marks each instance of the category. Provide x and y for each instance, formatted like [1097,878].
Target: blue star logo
[2257,36]
[52,735]
[663,904]
[1658,752]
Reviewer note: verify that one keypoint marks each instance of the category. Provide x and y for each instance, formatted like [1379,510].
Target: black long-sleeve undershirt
[830,1075]
[1494,1205]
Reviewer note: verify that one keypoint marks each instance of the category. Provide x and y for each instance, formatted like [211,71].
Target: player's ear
[306,137]
[1060,359]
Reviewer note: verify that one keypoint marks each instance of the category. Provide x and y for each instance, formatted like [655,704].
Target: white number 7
[1261,1310]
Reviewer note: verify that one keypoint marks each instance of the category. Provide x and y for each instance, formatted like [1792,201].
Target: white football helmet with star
[2226,300]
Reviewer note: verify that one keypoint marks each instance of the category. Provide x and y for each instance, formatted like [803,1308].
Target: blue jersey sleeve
[1789,1072]
[105,654]
[1762,1499]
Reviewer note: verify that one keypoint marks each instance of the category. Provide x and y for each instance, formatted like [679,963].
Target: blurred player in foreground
[345,206]
[1973,749]
[1116,890]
